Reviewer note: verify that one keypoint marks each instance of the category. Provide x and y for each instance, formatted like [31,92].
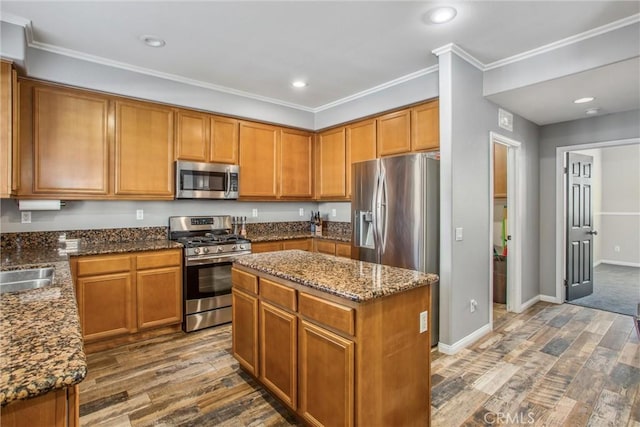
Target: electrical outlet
[301,212]
[616,248]
[333,213]
[254,213]
[424,319]
[139,214]
[473,304]
[25,217]
[458,233]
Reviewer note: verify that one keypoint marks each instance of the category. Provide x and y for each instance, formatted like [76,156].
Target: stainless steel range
[209,250]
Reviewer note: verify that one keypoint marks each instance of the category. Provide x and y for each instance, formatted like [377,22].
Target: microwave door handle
[227,189]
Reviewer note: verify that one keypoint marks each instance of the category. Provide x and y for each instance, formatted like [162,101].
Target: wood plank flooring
[553,365]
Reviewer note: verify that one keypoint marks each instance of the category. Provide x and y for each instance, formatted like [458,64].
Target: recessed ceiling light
[298,83]
[153,41]
[583,100]
[440,15]
[592,111]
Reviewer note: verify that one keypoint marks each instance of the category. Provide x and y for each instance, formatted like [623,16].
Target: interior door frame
[515,200]
[561,229]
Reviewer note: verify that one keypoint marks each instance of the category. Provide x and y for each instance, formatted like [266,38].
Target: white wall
[466,118]
[84,215]
[593,130]
[620,211]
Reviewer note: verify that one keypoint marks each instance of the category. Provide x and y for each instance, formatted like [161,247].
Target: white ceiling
[340,48]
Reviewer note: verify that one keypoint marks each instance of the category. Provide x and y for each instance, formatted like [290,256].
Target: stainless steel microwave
[199,180]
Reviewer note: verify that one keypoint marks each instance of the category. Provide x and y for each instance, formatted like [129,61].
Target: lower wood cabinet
[127,293]
[330,247]
[58,408]
[333,361]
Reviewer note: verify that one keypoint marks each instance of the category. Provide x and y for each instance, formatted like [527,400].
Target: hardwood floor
[551,365]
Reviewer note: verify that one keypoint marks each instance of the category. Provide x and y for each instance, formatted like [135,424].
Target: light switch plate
[301,212]
[424,321]
[254,213]
[139,214]
[458,233]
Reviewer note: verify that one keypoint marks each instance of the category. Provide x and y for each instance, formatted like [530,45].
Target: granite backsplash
[50,239]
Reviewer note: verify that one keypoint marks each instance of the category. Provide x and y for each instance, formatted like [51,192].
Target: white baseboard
[622,263]
[528,304]
[547,298]
[597,263]
[464,342]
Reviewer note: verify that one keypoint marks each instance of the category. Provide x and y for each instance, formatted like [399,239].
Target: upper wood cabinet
[331,179]
[258,160]
[8,129]
[425,126]
[70,142]
[394,133]
[143,150]
[499,170]
[296,164]
[361,145]
[205,138]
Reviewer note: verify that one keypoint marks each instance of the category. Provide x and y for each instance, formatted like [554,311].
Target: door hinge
[565,283]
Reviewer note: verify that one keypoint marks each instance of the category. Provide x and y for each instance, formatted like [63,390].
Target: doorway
[504,228]
[616,219]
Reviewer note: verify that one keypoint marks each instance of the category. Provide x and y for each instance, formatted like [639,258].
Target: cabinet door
[331,164]
[325,247]
[192,136]
[343,250]
[425,126]
[106,305]
[361,145]
[6,128]
[296,167]
[278,356]
[70,142]
[258,160]
[144,150]
[394,133]
[245,330]
[224,140]
[302,244]
[326,377]
[499,171]
[159,293]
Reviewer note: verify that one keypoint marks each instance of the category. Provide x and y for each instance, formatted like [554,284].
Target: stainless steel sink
[24,280]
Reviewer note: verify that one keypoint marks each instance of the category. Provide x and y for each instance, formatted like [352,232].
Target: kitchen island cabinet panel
[326,377]
[58,408]
[278,352]
[70,142]
[245,330]
[144,150]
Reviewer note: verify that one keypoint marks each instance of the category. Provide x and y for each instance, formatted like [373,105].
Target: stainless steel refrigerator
[395,209]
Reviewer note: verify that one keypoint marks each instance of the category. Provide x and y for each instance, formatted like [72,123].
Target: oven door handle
[203,260]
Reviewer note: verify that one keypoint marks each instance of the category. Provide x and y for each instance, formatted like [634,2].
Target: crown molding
[612,26]
[383,86]
[454,48]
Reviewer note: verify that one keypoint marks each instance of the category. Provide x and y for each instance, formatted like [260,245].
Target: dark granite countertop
[355,280]
[41,339]
[295,235]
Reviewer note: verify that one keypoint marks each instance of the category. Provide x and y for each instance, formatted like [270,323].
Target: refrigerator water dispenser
[364,229]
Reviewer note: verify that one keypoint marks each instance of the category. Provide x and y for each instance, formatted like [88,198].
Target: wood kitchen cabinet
[332,247]
[425,126]
[9,164]
[143,150]
[244,303]
[70,142]
[394,133]
[58,408]
[301,244]
[121,295]
[361,145]
[258,160]
[296,164]
[159,288]
[203,137]
[331,178]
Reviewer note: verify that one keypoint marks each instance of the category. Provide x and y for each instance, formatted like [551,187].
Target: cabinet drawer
[158,259]
[278,294]
[325,247]
[245,281]
[92,266]
[328,313]
[266,247]
[302,244]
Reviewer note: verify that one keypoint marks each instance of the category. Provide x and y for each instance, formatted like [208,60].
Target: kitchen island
[339,341]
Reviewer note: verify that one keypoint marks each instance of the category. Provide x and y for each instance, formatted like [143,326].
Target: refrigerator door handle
[383,210]
[374,213]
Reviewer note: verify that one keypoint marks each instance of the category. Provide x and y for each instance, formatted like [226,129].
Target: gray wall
[466,118]
[620,212]
[610,127]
